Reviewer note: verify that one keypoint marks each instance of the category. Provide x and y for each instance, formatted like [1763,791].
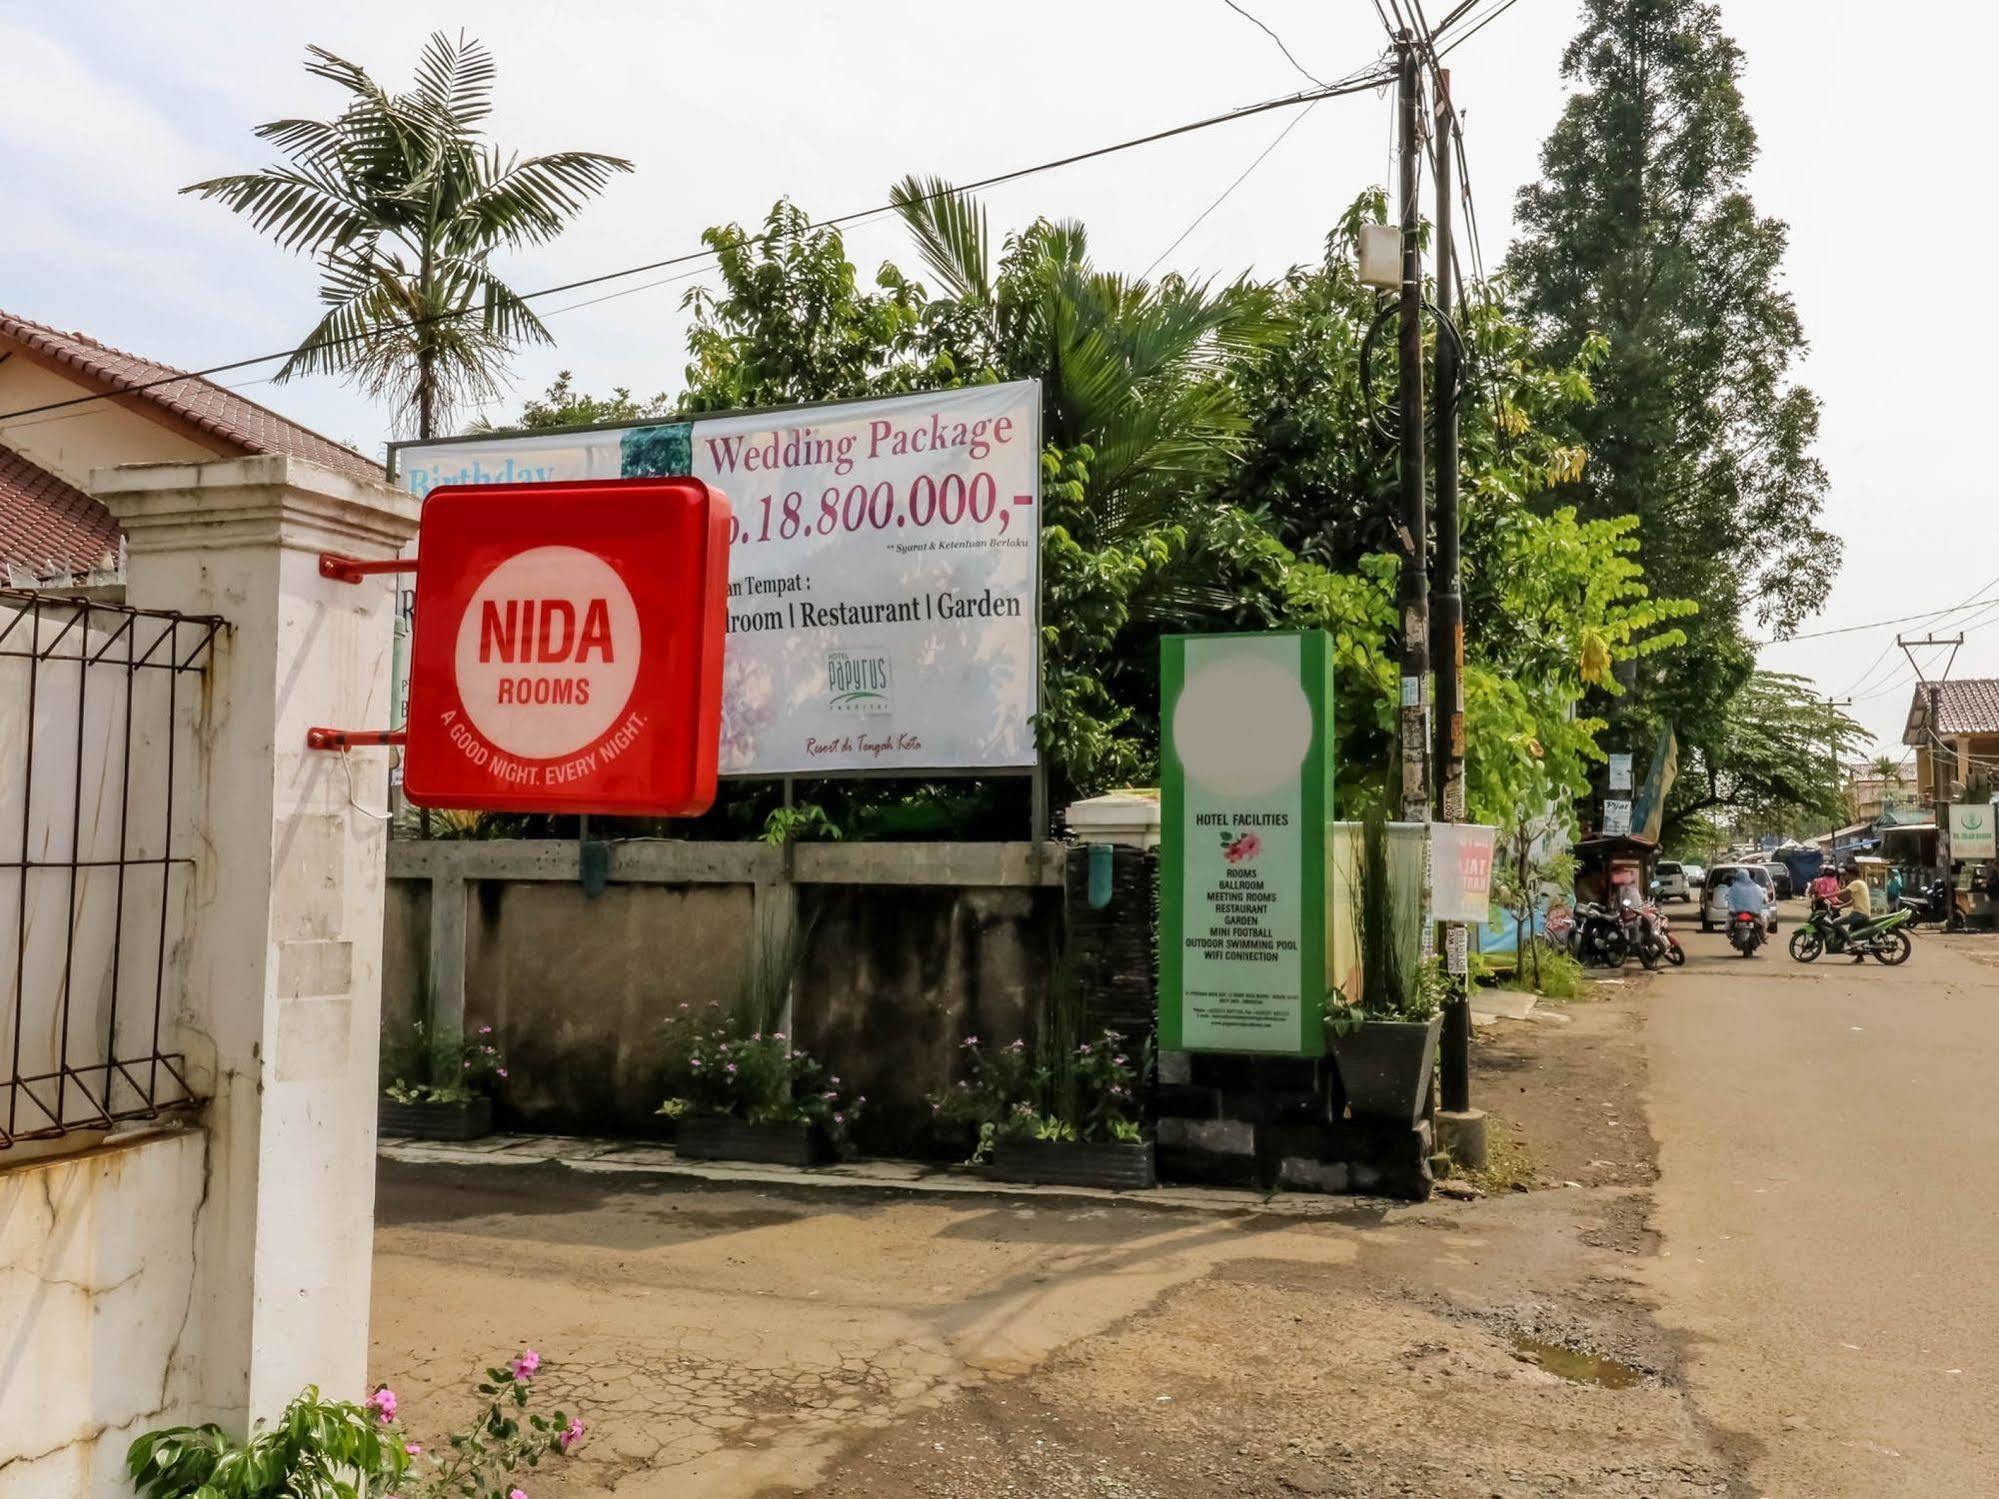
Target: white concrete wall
[97,1276]
[212,1276]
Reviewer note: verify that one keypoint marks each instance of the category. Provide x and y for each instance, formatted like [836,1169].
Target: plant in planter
[1072,1116]
[441,1084]
[754,1097]
[1386,1041]
[358,1449]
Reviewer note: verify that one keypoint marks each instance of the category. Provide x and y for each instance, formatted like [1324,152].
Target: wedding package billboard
[884,568]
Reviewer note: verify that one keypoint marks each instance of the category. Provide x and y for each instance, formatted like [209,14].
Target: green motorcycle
[1882,939]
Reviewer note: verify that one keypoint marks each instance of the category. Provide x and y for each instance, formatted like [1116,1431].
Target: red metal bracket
[346,739]
[343,569]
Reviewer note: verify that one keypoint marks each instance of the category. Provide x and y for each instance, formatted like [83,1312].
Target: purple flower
[1120,1060]
[970,1041]
[526,1364]
[502,1071]
[485,1030]
[383,1403]
[570,1434]
[731,1069]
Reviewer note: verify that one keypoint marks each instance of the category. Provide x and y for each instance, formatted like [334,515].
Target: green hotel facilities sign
[1246,804]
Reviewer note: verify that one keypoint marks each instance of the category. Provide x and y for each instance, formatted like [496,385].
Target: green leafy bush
[342,1449]
[426,1066]
[760,1078]
[1089,1092]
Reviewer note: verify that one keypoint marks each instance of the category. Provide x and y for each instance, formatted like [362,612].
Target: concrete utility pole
[1414,596]
[1447,638]
[1832,707]
[1939,775]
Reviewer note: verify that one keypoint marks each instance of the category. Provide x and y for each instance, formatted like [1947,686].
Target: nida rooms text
[545,632]
[803,614]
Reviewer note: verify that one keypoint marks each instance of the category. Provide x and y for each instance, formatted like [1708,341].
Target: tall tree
[1640,231]
[404,204]
[1771,763]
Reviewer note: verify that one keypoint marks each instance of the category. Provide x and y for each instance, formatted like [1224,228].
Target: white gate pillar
[281,990]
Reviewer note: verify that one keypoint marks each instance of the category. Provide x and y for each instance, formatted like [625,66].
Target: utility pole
[1832,707]
[1414,596]
[1939,775]
[1447,638]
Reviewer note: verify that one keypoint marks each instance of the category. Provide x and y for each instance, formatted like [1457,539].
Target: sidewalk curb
[624,1158]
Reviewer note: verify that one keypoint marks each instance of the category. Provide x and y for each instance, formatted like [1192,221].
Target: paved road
[1829,1205]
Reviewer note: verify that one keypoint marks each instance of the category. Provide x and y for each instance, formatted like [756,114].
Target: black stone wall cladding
[1112,949]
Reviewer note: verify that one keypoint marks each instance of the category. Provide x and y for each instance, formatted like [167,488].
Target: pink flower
[414,1449]
[732,1067]
[517,1494]
[383,1403]
[485,1030]
[570,1434]
[502,1072]
[526,1364]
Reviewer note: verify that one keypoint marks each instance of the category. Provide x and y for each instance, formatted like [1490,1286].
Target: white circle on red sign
[548,652]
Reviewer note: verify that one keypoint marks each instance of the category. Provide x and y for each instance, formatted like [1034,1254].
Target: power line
[1277,39]
[1486,20]
[1878,624]
[1354,86]
[1241,178]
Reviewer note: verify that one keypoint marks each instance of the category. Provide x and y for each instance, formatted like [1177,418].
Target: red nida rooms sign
[567,654]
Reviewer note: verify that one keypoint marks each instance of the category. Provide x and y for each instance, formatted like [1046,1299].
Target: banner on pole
[884,569]
[1461,871]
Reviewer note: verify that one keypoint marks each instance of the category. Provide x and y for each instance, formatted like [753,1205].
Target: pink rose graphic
[1242,849]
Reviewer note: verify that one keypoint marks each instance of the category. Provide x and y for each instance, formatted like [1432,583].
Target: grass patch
[1561,975]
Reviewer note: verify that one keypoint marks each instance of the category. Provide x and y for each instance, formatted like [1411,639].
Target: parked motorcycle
[1745,933]
[1882,939]
[1935,902]
[1597,939]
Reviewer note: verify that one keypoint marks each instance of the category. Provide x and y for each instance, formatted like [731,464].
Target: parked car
[1696,875]
[1714,895]
[1780,880]
[1671,879]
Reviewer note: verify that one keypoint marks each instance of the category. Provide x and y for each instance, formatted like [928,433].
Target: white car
[1714,895]
[1671,878]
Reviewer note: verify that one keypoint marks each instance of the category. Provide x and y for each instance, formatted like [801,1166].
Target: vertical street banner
[884,569]
[1245,806]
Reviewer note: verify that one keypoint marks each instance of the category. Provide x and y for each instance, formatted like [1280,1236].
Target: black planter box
[1385,1068]
[1116,1164]
[718,1137]
[436,1121]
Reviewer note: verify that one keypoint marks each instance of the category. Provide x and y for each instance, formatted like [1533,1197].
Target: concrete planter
[1117,1165]
[436,1121]
[1385,1068]
[719,1137]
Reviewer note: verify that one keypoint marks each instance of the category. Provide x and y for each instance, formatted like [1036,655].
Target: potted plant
[1385,1042]
[755,1098]
[441,1085]
[1071,1119]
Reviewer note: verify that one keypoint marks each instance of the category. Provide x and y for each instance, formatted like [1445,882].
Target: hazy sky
[726,104]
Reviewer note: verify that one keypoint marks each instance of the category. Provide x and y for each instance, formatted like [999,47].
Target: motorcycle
[1882,939]
[1935,902]
[1597,939]
[1745,932]
[1657,933]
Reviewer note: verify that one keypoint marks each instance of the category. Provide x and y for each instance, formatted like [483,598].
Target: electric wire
[1490,16]
[1241,177]
[1289,101]
[1259,25]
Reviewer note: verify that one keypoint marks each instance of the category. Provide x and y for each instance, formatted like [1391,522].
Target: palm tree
[1887,768]
[1134,370]
[403,205]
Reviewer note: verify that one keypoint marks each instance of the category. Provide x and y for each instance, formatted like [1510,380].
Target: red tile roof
[47,528]
[1969,705]
[224,414]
